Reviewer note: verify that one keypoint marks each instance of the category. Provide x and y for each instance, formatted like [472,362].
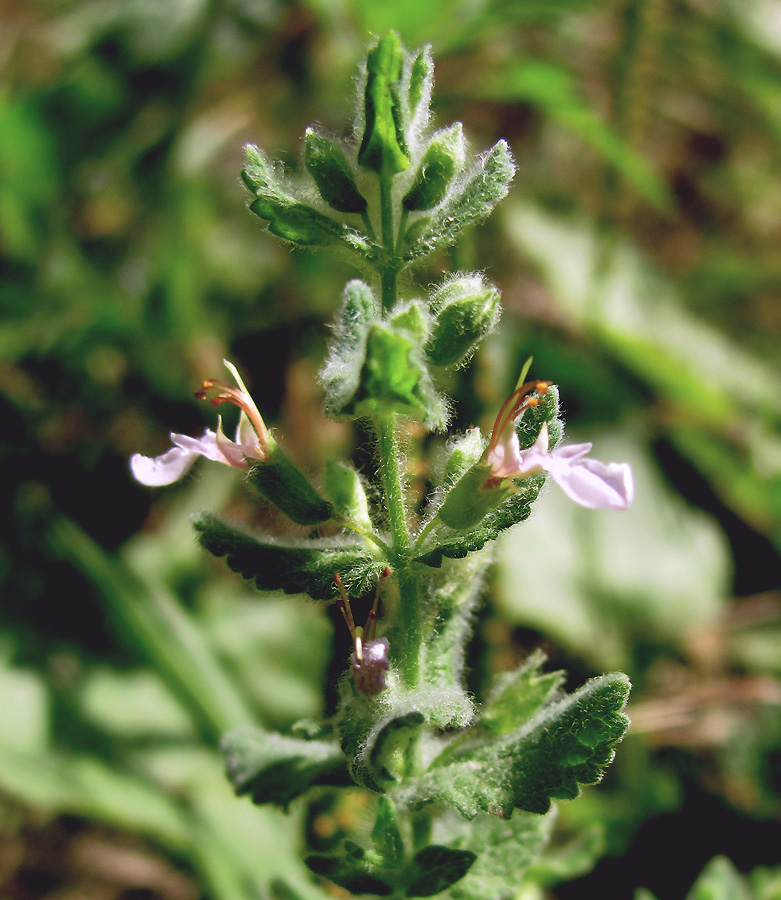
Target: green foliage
[305,566]
[473,200]
[638,260]
[569,742]
[291,219]
[272,768]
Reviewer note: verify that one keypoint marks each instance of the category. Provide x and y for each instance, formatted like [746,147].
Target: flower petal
[164,469]
[202,446]
[594,484]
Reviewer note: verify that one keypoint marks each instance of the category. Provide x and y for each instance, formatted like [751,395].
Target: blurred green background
[638,259]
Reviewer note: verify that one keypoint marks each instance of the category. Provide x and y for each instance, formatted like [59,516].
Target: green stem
[389,269]
[425,533]
[369,535]
[390,473]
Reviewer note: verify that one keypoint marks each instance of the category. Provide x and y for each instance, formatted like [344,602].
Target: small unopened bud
[441,162]
[384,148]
[333,176]
[466,310]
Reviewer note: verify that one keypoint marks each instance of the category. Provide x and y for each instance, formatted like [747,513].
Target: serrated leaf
[516,696]
[565,745]
[435,869]
[481,191]
[457,545]
[303,567]
[505,848]
[289,218]
[273,768]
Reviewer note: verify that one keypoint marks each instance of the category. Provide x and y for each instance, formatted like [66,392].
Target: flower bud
[384,148]
[466,310]
[333,176]
[443,159]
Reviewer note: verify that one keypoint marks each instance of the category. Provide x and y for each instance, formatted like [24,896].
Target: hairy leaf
[303,567]
[273,768]
[384,147]
[353,871]
[481,191]
[516,696]
[564,745]
[287,216]
[435,868]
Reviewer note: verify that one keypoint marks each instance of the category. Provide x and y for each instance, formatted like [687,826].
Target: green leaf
[283,484]
[384,147]
[302,567]
[273,768]
[473,201]
[375,737]
[345,488]
[504,847]
[719,880]
[435,869]
[353,871]
[566,744]
[516,696]
[327,164]
[421,77]
[393,378]
[287,217]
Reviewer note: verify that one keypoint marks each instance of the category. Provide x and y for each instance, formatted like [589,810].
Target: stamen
[344,604]
[227,393]
[513,406]
[358,641]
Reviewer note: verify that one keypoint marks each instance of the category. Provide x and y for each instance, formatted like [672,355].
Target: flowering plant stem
[442,775]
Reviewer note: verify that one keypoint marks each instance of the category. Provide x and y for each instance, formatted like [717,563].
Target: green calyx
[327,164]
[443,159]
[466,310]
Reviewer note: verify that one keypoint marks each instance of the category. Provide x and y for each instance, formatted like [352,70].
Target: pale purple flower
[588,482]
[252,439]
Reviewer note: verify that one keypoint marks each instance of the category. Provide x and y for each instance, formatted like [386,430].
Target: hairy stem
[390,474]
